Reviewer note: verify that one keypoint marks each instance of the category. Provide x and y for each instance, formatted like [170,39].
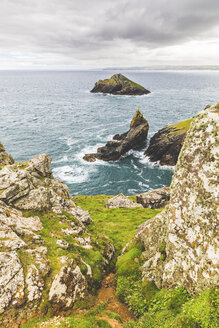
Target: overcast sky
[74,34]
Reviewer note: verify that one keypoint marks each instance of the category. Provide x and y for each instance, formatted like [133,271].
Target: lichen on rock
[188,225]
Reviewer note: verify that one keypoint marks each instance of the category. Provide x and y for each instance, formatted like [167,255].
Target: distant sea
[54,113]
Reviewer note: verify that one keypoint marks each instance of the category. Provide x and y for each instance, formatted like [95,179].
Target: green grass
[119,224]
[182,126]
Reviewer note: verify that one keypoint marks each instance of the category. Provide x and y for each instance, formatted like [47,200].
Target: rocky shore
[135,138]
[118,84]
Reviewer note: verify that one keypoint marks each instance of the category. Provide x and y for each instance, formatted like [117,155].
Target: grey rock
[11,280]
[68,286]
[121,201]
[62,243]
[154,199]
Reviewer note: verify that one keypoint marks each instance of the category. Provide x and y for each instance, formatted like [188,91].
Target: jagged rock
[11,280]
[39,258]
[76,230]
[35,284]
[133,139]
[118,84]
[9,240]
[166,144]
[121,201]
[81,215]
[31,186]
[154,199]
[4,157]
[62,243]
[68,286]
[181,246]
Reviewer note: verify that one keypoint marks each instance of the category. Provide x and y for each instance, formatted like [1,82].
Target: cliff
[165,145]
[180,244]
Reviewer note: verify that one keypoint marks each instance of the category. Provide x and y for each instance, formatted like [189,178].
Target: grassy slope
[119,224]
[182,126]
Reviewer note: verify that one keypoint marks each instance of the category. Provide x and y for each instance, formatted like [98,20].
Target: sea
[54,112]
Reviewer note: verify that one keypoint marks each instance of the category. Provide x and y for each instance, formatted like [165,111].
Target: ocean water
[54,113]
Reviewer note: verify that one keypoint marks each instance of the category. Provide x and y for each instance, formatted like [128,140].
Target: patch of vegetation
[162,308]
[119,224]
[182,126]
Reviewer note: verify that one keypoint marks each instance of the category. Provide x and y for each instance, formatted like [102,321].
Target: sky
[86,34]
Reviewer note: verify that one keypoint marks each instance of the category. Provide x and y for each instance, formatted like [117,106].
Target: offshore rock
[166,144]
[154,199]
[4,157]
[135,138]
[68,286]
[118,84]
[121,201]
[181,246]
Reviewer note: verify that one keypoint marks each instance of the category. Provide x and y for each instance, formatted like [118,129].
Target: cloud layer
[97,33]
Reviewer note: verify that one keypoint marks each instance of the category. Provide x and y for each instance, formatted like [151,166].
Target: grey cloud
[91,29]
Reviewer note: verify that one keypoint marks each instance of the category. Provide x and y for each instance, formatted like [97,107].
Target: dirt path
[107,294]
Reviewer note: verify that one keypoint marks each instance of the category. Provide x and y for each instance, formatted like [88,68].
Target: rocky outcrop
[135,138]
[68,285]
[166,144]
[121,201]
[4,157]
[37,212]
[181,245]
[118,84]
[154,199]
[31,186]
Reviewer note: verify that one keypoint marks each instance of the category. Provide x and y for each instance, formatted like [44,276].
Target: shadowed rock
[118,84]
[166,144]
[154,199]
[133,139]
[4,157]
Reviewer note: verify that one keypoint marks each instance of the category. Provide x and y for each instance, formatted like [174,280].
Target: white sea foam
[72,173]
[61,160]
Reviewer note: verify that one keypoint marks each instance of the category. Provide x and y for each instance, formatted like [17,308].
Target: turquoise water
[54,113]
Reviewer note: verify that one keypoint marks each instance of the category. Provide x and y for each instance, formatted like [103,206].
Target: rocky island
[166,144]
[118,84]
[134,138]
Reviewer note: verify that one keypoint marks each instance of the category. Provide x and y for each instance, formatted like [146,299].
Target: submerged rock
[166,144]
[133,139]
[154,199]
[118,84]
[121,201]
[180,244]
[4,157]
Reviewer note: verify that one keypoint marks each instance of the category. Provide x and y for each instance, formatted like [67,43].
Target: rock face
[69,284]
[121,201]
[4,157]
[118,84]
[133,139]
[36,212]
[181,246]
[31,186]
[166,144]
[154,199]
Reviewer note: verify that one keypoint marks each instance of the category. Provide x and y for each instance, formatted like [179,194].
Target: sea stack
[118,84]
[134,138]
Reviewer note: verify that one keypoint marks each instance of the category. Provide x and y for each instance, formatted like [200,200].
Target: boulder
[4,157]
[118,84]
[180,244]
[165,145]
[135,138]
[68,286]
[154,199]
[121,201]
